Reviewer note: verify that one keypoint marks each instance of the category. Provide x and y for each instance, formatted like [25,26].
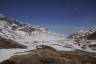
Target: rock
[45,47]
[48,56]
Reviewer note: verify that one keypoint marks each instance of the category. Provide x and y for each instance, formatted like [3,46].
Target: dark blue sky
[62,16]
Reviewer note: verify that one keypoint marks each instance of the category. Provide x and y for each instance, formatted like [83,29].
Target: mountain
[88,34]
[85,37]
[35,36]
[16,30]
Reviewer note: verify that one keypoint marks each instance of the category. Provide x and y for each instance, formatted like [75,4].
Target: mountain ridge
[34,36]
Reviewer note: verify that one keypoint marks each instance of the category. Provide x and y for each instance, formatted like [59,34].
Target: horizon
[60,16]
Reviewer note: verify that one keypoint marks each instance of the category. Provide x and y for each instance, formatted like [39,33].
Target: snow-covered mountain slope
[85,33]
[16,30]
[33,36]
[85,38]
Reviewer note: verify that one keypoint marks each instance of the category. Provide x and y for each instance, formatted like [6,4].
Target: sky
[60,16]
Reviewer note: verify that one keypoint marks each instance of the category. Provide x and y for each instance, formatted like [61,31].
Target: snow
[57,44]
[14,24]
[35,38]
[7,53]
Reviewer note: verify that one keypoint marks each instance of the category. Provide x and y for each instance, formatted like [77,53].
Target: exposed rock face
[48,56]
[8,43]
[92,36]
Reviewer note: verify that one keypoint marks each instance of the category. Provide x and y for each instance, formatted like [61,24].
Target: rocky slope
[34,36]
[8,43]
[85,38]
[48,55]
[88,34]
